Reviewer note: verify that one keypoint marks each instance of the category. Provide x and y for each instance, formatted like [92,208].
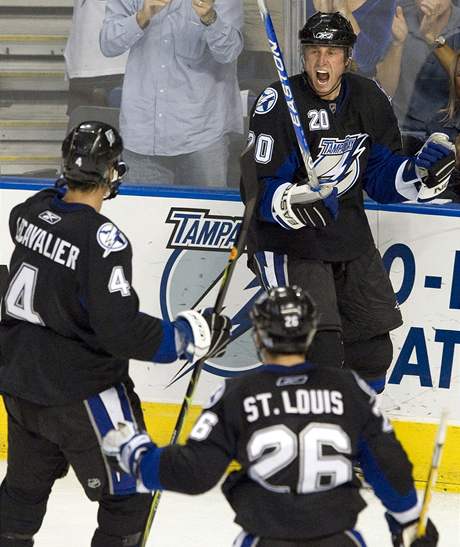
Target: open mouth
[322,77]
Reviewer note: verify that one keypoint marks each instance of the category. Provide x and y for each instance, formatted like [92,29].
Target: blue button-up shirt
[180,92]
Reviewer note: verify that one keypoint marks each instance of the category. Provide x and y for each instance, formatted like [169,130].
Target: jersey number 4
[19,298]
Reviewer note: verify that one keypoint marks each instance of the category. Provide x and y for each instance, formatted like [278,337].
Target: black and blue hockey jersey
[354,140]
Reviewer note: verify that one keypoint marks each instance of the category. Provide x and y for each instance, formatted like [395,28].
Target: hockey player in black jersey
[296,429]
[70,322]
[325,245]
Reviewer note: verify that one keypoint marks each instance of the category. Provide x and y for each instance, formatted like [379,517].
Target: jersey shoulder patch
[215,397]
[266,101]
[111,239]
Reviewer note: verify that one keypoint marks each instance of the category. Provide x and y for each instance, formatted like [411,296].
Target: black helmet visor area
[328,29]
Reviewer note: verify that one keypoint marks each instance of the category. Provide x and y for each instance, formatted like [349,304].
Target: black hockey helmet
[284,320]
[328,29]
[88,151]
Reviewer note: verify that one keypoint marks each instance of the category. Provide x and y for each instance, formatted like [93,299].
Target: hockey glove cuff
[434,163]
[124,447]
[193,336]
[297,206]
[403,535]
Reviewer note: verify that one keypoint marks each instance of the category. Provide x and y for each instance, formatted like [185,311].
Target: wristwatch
[209,19]
[439,41]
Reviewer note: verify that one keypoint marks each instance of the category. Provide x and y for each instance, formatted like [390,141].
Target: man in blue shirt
[181,98]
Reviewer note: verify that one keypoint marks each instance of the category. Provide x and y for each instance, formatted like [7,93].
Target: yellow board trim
[416,437]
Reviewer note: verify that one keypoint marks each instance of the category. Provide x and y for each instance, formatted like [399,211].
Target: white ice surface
[207,520]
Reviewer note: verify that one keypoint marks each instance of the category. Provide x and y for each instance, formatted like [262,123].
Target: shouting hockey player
[70,322]
[321,241]
[296,429]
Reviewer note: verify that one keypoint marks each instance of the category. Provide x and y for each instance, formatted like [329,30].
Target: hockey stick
[248,172]
[312,178]
[433,474]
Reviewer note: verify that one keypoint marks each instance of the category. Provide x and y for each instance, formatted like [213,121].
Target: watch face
[440,41]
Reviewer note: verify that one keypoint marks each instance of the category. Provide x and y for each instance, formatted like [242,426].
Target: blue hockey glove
[125,446]
[403,535]
[297,206]
[434,163]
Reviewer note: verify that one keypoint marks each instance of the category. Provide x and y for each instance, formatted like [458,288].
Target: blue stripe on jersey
[107,409]
[378,384]
[166,352]
[248,541]
[390,497]
[124,402]
[261,264]
[280,270]
[380,175]
[272,269]
[359,538]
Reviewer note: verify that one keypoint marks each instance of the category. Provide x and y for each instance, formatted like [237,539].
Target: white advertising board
[180,242]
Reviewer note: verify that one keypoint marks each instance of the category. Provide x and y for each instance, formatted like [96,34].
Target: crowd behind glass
[185,87]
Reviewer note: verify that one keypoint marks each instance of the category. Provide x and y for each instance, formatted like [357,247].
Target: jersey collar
[306,366]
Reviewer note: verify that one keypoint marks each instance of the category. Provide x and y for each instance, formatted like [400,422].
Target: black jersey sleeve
[384,178]
[384,462]
[275,151]
[198,465]
[111,301]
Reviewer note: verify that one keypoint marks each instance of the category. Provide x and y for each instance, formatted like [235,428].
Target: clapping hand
[203,7]
[148,10]
[431,10]
[399,27]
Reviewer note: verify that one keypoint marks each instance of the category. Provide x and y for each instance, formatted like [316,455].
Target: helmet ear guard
[284,320]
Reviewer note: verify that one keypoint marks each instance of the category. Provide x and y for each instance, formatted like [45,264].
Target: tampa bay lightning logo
[338,159]
[192,276]
[111,239]
[266,101]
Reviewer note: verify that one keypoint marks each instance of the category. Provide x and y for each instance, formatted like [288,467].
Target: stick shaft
[289,97]
[432,475]
[248,169]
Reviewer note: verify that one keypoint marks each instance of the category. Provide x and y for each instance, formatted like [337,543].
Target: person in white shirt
[92,76]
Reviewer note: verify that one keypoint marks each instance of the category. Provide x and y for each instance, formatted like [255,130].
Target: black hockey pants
[44,441]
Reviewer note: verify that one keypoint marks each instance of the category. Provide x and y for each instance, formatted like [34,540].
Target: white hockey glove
[201,334]
[125,446]
[404,535]
[220,327]
[434,163]
[296,206]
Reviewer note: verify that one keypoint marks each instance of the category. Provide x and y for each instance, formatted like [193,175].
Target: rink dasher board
[180,240]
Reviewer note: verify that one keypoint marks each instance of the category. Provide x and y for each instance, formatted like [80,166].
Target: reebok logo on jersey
[111,239]
[49,217]
[266,101]
[292,380]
